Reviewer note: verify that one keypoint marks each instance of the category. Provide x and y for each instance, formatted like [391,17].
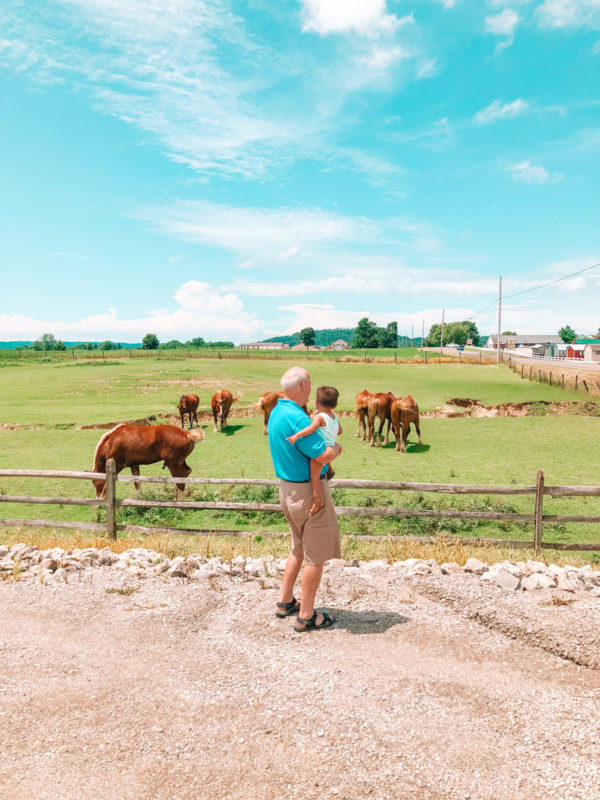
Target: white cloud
[381,58]
[503,23]
[526,172]
[499,110]
[365,17]
[259,232]
[201,311]
[569,14]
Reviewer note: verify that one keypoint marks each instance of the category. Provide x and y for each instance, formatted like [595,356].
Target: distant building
[266,346]
[591,351]
[576,351]
[526,340]
[339,344]
[302,346]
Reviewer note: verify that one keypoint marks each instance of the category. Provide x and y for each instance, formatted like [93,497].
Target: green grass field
[49,401]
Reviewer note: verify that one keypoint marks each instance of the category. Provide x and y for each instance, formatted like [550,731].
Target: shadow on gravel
[366,621]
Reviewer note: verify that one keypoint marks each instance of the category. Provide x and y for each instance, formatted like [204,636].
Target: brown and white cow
[221,403]
[380,407]
[404,411]
[362,413]
[188,404]
[266,403]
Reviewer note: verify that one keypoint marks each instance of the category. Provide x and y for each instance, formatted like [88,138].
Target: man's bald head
[296,385]
[293,378]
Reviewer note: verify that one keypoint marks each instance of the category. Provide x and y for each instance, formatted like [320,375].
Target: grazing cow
[188,404]
[221,403]
[380,406]
[362,413]
[404,411]
[132,445]
[266,404]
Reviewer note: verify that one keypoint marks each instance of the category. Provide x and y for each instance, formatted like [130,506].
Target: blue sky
[237,170]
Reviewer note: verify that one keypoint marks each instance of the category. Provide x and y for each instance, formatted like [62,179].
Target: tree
[45,342]
[457,332]
[307,336]
[567,334]
[509,333]
[172,345]
[388,336]
[198,341]
[107,345]
[150,342]
[60,345]
[365,334]
[597,334]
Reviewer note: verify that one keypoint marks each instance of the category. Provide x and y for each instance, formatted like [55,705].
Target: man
[316,538]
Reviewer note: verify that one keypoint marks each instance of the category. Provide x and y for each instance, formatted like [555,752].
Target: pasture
[45,409]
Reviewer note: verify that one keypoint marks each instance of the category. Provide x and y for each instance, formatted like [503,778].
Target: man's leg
[292,568]
[311,577]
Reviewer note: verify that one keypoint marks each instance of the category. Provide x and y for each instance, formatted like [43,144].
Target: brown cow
[132,445]
[404,411]
[380,406]
[266,404]
[188,404]
[362,413]
[221,403]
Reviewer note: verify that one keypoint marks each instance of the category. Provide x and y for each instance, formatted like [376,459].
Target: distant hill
[328,335]
[322,338]
[14,345]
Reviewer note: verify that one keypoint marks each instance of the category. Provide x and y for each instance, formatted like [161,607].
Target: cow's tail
[236,398]
[259,405]
[196,435]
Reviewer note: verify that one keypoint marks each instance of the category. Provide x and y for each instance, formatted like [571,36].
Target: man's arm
[329,454]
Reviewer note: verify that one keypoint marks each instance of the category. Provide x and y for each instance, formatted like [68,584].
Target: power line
[536,288]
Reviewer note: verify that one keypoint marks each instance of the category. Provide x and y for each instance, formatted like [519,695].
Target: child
[326,423]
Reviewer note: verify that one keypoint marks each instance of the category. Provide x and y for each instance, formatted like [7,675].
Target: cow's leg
[266,427]
[135,471]
[418,429]
[405,431]
[358,423]
[182,420]
[387,433]
[381,424]
[215,420]
[196,419]
[179,471]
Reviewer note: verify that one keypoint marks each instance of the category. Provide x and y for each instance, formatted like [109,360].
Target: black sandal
[285,609]
[311,625]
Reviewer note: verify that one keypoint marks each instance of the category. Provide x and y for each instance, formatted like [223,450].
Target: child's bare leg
[317,489]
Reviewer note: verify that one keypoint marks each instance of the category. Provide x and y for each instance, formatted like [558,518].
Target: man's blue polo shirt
[291,462]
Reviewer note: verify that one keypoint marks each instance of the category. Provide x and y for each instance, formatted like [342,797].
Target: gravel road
[433,687]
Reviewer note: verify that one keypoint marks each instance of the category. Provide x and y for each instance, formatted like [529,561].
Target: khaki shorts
[315,539]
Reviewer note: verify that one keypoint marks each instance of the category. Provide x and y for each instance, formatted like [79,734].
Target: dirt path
[193,690]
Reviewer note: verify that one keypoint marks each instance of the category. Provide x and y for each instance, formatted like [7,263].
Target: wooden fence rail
[111,503]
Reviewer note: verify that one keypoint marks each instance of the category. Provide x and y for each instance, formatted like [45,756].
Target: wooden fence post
[562,380]
[530,371]
[111,516]
[585,384]
[538,512]
[576,379]
[550,378]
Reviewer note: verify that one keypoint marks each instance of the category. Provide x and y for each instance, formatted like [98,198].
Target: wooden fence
[111,503]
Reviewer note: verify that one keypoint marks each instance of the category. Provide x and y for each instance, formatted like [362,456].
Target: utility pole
[442,334]
[499,318]
[412,335]
[423,334]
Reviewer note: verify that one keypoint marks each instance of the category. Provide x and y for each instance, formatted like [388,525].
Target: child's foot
[317,505]
[329,474]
